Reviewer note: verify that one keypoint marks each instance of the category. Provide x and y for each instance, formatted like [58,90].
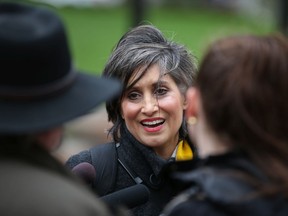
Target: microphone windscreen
[130,197]
[85,171]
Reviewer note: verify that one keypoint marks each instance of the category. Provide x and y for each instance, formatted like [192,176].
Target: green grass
[93,32]
[197,28]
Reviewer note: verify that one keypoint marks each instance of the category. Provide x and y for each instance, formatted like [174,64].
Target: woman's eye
[161,91]
[133,95]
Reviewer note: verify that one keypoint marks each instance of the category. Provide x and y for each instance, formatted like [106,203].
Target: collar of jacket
[141,159]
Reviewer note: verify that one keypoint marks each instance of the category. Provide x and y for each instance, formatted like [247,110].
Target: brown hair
[243,82]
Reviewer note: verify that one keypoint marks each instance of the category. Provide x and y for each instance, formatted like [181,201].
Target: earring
[192,120]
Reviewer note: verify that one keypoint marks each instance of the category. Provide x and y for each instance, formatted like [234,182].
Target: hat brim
[19,117]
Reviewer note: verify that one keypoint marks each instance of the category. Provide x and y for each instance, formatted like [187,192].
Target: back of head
[243,81]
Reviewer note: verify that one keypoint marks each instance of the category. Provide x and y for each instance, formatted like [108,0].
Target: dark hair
[136,51]
[243,82]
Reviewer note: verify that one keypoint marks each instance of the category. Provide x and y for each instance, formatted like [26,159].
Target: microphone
[85,171]
[129,197]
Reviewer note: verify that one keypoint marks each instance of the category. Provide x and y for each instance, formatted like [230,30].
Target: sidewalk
[83,133]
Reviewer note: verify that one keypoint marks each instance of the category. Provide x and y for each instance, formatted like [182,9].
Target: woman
[148,128]
[237,116]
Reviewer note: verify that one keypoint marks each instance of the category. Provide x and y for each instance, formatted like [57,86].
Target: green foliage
[93,32]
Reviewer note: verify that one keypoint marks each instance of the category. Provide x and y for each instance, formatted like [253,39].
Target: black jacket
[144,163]
[220,186]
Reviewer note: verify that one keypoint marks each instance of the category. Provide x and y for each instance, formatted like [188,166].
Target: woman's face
[153,111]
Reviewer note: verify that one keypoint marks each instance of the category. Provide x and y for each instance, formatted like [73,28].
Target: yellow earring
[192,120]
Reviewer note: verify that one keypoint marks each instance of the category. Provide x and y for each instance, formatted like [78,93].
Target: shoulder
[221,192]
[88,154]
[43,192]
[183,206]
[83,156]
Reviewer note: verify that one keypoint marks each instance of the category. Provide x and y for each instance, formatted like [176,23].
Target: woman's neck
[166,151]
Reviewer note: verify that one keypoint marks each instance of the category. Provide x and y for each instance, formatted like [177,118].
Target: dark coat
[145,164]
[221,186]
[34,183]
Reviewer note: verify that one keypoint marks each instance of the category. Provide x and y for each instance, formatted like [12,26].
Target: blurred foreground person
[238,119]
[148,128]
[39,91]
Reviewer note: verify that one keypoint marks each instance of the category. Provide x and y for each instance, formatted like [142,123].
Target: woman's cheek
[129,110]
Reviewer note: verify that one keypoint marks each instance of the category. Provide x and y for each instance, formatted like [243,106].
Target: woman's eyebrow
[161,82]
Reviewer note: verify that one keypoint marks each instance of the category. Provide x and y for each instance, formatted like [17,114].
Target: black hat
[39,88]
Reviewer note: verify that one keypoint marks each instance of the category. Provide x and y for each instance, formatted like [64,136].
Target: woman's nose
[149,105]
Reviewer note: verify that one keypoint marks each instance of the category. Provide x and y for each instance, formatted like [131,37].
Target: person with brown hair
[40,91]
[238,119]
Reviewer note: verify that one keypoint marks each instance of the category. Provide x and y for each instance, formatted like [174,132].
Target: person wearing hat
[40,90]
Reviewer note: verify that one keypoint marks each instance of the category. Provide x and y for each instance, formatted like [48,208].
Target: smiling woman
[148,129]
[153,111]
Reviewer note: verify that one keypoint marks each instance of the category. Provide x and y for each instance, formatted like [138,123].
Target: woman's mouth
[154,123]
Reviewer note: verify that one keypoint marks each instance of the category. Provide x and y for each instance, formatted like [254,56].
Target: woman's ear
[192,100]
[185,103]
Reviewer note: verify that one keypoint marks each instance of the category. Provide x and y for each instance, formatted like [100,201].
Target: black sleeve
[195,208]
[83,156]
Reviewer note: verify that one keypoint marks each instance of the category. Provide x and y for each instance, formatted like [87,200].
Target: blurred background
[95,26]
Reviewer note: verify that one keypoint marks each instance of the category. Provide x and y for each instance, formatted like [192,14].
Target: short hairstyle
[137,50]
